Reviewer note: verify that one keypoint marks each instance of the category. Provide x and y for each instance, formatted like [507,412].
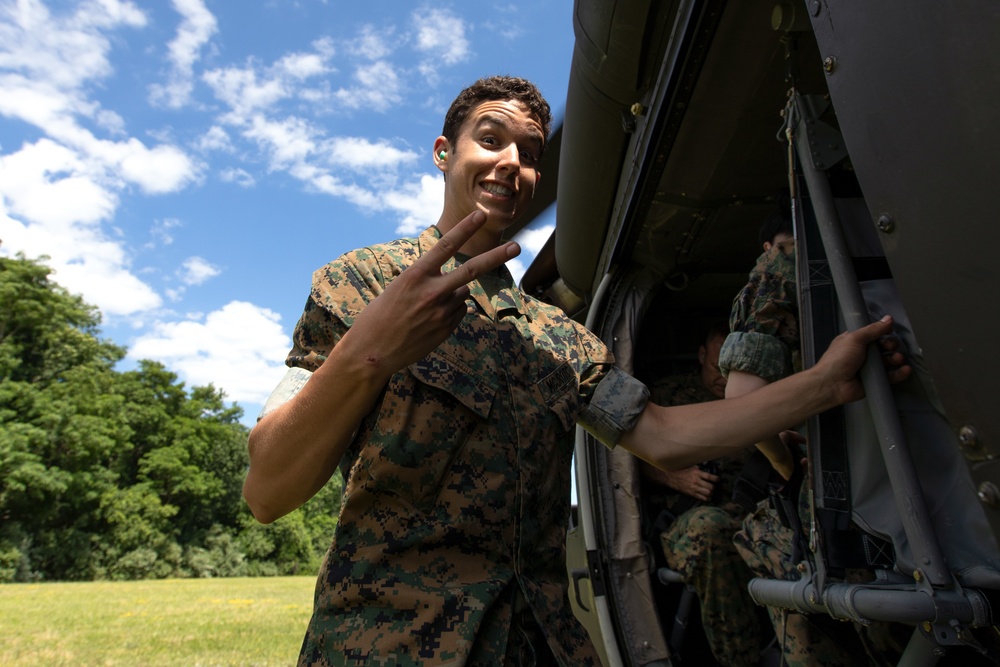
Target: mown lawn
[175,622]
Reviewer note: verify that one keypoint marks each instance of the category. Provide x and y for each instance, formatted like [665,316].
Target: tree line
[108,474]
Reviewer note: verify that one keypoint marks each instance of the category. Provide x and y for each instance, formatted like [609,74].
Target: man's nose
[510,158]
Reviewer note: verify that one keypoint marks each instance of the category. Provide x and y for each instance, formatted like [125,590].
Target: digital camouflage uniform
[699,543]
[765,342]
[451,539]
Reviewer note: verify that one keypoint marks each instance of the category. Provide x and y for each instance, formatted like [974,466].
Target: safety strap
[841,545]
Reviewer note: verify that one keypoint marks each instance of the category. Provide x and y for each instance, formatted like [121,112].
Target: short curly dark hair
[779,222]
[496,88]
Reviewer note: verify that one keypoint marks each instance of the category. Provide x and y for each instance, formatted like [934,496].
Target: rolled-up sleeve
[615,407]
[291,384]
[759,354]
[764,321]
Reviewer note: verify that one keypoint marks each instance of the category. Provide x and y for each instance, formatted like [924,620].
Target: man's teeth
[497,189]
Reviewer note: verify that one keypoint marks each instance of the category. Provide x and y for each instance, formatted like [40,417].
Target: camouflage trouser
[808,640]
[699,545]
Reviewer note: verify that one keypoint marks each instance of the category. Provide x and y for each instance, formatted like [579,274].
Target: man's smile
[497,189]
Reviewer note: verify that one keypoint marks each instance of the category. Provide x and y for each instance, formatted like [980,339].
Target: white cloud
[505,22]
[440,35]
[240,89]
[289,141]
[532,240]
[301,147]
[46,63]
[378,88]
[57,192]
[62,50]
[371,44]
[59,206]
[196,270]
[238,348]
[253,89]
[110,121]
[84,262]
[104,279]
[160,231]
[214,139]
[237,176]
[420,204]
[157,170]
[50,184]
[360,153]
[163,168]
[326,183]
[302,65]
[107,13]
[196,28]
[517,267]
[324,47]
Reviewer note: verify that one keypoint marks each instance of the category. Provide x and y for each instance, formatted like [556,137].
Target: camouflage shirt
[457,485]
[686,390]
[765,320]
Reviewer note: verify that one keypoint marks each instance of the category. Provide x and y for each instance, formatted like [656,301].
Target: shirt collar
[509,297]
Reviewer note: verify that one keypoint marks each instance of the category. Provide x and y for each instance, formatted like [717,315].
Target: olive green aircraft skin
[668,159]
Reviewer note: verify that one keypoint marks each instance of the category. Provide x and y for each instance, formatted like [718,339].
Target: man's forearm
[296,448]
[675,437]
[781,458]
[683,435]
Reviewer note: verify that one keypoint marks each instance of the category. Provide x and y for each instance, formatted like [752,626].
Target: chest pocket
[427,414]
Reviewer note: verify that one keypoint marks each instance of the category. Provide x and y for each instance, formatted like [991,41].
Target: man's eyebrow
[504,122]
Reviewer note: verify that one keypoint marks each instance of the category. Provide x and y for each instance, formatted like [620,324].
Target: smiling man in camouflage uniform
[448,399]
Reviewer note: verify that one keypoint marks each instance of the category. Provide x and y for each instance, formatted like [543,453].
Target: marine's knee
[712,525]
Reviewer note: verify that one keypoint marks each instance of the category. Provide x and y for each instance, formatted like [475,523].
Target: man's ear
[442,149]
[702,354]
[538,179]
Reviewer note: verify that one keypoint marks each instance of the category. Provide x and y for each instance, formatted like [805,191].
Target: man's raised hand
[422,306]
[848,352]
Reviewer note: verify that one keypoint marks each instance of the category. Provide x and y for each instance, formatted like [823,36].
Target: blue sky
[187,164]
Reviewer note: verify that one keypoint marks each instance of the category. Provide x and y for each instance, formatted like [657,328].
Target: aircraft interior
[673,150]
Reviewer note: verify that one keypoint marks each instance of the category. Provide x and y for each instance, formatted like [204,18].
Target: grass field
[174,622]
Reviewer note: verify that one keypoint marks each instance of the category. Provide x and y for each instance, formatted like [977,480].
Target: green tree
[109,474]
[44,329]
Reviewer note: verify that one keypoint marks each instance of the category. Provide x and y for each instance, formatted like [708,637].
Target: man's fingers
[450,243]
[481,264]
[900,374]
[894,362]
[889,344]
[875,330]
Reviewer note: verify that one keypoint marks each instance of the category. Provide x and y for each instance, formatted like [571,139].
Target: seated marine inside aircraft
[694,519]
[764,346]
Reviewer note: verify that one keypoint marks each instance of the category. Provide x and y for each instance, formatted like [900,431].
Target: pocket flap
[450,375]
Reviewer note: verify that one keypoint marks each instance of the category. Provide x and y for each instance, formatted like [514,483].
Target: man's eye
[528,156]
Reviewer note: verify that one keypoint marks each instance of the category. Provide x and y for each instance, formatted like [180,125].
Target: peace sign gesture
[422,306]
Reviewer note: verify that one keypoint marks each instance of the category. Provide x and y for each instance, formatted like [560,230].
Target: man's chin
[500,218]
